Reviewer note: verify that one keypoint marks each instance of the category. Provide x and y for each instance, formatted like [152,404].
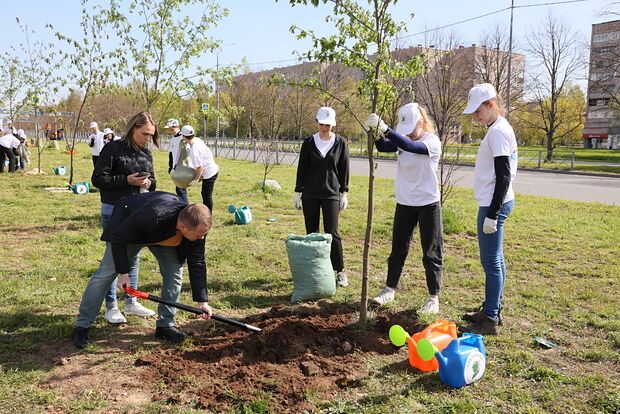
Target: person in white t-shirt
[8,149]
[174,129]
[496,168]
[203,161]
[417,199]
[95,141]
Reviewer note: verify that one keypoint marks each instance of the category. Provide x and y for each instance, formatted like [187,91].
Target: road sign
[205,107]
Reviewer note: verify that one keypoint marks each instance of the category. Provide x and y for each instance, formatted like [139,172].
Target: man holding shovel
[174,232]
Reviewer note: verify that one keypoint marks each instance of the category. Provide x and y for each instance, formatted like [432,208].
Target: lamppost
[512,7]
[217,91]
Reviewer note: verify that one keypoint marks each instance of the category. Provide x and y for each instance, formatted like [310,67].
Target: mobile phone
[144,174]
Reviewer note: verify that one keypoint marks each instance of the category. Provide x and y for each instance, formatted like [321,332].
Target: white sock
[389,289]
[434,298]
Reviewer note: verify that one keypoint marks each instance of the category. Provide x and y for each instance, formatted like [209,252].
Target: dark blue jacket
[150,218]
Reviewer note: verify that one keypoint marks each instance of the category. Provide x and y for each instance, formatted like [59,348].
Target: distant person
[417,199]
[174,129]
[174,232]
[322,184]
[496,168]
[10,129]
[109,135]
[8,148]
[95,141]
[203,162]
[22,149]
[125,167]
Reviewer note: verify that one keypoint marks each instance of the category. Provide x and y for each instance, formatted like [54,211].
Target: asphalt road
[564,186]
[574,187]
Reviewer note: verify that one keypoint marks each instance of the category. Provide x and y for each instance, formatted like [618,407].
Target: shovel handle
[217,317]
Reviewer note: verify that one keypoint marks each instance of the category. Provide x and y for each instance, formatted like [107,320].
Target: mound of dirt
[302,353]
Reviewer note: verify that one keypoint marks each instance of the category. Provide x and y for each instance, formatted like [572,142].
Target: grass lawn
[563,285]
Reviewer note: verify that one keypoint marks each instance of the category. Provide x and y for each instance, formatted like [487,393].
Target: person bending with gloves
[174,232]
[322,184]
[417,199]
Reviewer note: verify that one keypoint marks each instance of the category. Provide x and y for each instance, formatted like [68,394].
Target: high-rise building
[602,129]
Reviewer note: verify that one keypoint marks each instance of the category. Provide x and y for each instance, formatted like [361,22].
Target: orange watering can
[439,334]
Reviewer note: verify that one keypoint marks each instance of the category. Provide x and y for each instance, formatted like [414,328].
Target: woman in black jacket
[125,167]
[323,183]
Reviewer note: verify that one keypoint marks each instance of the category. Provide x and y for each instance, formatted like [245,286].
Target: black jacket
[149,218]
[116,161]
[323,177]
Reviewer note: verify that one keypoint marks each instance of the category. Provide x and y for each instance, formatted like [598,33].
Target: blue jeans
[170,268]
[134,265]
[492,259]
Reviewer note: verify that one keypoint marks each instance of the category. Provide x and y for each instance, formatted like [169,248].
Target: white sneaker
[138,309]
[384,296]
[431,306]
[114,316]
[342,280]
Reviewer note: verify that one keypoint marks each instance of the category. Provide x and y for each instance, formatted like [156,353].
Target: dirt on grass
[303,356]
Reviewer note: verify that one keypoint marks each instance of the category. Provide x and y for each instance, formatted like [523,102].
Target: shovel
[148,296]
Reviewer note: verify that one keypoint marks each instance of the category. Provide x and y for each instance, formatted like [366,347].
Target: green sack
[311,267]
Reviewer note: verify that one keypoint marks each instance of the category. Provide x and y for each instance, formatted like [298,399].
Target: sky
[258,30]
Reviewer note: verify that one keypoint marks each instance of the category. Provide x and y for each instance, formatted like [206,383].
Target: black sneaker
[170,333]
[79,336]
[483,325]
[474,316]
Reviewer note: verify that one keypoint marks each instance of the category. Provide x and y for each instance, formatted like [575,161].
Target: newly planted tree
[363,44]
[161,43]
[40,79]
[87,64]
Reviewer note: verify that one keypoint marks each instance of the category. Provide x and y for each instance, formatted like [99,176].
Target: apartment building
[602,129]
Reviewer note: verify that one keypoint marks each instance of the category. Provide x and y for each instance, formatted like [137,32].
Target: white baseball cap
[408,117]
[172,122]
[187,131]
[478,95]
[94,125]
[107,131]
[326,116]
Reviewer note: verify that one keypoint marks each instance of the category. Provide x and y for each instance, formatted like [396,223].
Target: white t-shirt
[416,181]
[201,156]
[99,143]
[499,141]
[173,148]
[324,146]
[9,141]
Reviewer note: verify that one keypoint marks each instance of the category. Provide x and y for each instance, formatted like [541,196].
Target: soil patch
[303,356]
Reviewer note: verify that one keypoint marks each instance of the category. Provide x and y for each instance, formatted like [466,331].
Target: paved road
[563,186]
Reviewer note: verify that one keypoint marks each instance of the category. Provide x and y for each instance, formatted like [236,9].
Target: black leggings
[207,192]
[431,237]
[331,211]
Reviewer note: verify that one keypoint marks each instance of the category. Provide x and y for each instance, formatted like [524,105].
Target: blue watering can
[462,362]
[243,214]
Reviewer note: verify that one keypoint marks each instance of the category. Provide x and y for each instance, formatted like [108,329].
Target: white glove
[298,201]
[489,226]
[344,201]
[374,121]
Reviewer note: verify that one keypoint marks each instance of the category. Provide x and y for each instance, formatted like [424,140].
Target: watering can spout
[443,361]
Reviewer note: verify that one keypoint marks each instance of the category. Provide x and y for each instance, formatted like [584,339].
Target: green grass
[563,284]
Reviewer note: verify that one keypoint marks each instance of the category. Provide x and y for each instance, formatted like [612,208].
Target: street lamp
[217,91]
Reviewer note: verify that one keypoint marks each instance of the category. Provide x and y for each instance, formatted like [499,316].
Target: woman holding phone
[125,167]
